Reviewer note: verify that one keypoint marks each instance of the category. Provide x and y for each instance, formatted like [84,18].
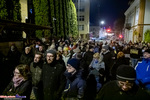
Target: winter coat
[111,91]
[107,58]
[26,58]
[24,89]
[62,63]
[143,73]
[53,80]
[88,57]
[13,58]
[75,86]
[135,53]
[36,72]
[120,61]
[97,65]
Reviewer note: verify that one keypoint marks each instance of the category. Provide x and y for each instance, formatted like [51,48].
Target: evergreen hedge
[3,9]
[147,36]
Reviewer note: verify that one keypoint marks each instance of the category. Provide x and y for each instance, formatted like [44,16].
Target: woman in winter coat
[97,68]
[20,84]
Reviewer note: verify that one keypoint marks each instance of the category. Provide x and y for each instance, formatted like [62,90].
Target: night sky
[107,10]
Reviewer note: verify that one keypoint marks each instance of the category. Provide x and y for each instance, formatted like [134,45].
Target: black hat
[126,73]
[74,63]
[148,51]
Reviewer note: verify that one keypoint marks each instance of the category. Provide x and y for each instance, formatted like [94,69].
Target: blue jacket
[75,85]
[143,73]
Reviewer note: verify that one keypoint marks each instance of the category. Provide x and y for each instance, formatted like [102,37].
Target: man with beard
[53,78]
[124,88]
[36,72]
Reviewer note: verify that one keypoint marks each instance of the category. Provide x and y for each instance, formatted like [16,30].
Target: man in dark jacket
[53,78]
[107,58]
[124,88]
[88,56]
[87,59]
[36,72]
[135,54]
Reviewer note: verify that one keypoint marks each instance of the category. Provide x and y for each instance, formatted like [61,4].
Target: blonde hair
[120,54]
[96,55]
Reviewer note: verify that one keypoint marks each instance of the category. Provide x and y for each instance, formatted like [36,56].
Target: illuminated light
[108,30]
[120,36]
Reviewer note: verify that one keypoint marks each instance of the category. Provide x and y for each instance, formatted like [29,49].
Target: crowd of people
[77,70]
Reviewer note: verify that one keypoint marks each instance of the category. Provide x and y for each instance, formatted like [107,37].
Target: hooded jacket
[143,73]
[75,85]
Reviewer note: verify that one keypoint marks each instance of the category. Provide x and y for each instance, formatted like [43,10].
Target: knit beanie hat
[52,52]
[126,73]
[74,63]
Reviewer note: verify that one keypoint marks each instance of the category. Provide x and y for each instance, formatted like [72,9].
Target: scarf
[17,81]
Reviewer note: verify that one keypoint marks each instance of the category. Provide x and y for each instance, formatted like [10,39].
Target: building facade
[83,13]
[137,20]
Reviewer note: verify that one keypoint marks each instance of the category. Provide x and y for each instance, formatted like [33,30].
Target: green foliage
[73,20]
[10,9]
[57,17]
[16,10]
[61,18]
[59,14]
[68,15]
[65,17]
[52,16]
[147,36]
[41,9]
[3,9]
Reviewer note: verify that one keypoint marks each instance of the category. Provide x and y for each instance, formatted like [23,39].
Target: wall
[146,17]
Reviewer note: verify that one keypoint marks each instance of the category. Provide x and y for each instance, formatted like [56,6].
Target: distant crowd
[76,70]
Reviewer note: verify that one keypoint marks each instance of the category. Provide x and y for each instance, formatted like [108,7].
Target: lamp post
[101,29]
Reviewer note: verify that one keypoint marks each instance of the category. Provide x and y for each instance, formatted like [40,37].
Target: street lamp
[101,33]
[102,22]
